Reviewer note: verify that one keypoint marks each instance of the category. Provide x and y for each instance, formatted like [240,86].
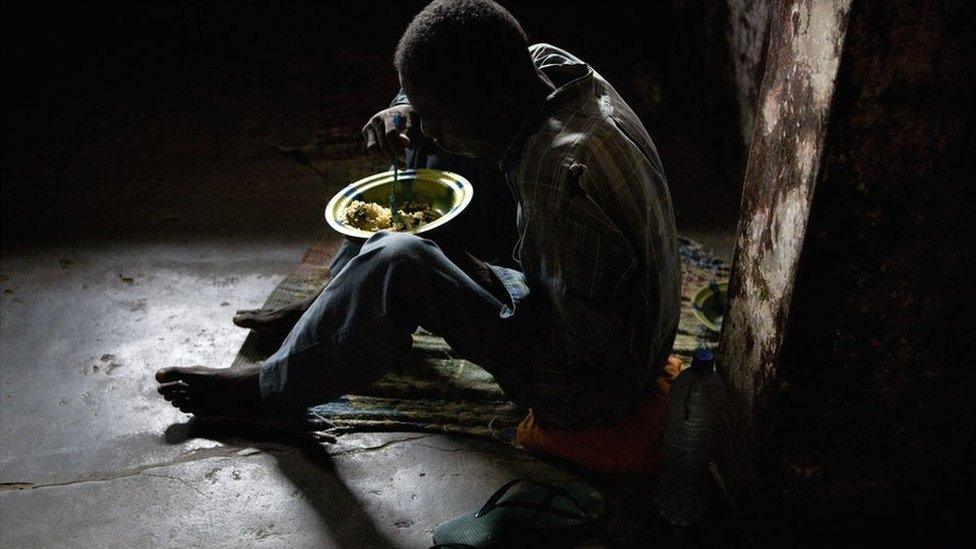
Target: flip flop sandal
[533,514]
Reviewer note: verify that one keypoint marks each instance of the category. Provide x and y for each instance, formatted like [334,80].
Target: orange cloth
[632,446]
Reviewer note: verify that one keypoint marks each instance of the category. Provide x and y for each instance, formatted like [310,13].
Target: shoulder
[573,138]
[579,135]
[561,137]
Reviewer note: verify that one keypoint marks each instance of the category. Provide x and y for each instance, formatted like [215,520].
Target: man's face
[456,130]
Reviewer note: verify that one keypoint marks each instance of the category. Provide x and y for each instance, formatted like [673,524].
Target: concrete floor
[91,453]
[141,236]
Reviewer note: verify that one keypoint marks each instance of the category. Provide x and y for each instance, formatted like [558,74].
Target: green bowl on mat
[708,304]
[447,192]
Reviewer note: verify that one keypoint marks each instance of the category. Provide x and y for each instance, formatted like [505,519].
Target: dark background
[132,119]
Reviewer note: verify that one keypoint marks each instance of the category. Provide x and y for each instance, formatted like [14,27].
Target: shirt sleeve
[400,99]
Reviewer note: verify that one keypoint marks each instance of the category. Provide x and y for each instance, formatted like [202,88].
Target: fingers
[396,139]
[372,146]
[384,138]
[374,137]
[385,148]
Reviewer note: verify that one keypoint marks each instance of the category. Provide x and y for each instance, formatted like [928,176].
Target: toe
[184,404]
[164,375]
[182,373]
[172,386]
[249,314]
[175,394]
[243,320]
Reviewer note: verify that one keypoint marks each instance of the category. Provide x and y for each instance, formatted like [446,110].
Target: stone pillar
[748,38]
[848,341]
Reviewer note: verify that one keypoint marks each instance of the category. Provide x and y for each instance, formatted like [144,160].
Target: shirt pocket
[594,256]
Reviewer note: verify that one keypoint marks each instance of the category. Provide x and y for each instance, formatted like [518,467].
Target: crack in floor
[203,454]
[516,456]
[378,447]
[173,477]
[186,457]
[443,449]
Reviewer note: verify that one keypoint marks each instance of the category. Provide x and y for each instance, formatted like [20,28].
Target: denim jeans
[383,289]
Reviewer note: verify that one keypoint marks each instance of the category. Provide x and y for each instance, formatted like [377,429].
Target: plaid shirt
[597,243]
[597,247]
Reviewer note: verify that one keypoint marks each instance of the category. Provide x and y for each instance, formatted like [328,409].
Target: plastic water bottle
[694,425]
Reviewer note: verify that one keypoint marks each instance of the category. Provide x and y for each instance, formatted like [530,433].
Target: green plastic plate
[707,308]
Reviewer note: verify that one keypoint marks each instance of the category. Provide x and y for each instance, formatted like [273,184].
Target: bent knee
[392,246]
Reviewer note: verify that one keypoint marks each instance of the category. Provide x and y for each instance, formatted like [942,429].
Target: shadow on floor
[310,469]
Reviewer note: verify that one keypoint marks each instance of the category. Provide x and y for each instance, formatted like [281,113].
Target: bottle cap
[703,360]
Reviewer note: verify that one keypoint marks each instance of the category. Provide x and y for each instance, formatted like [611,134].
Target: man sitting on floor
[582,321]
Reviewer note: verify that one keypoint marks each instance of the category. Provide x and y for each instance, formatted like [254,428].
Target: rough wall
[748,38]
[878,409]
[848,346]
[804,54]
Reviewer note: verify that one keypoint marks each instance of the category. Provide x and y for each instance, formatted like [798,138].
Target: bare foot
[217,392]
[273,321]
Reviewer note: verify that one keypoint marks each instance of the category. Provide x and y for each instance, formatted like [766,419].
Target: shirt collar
[576,82]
